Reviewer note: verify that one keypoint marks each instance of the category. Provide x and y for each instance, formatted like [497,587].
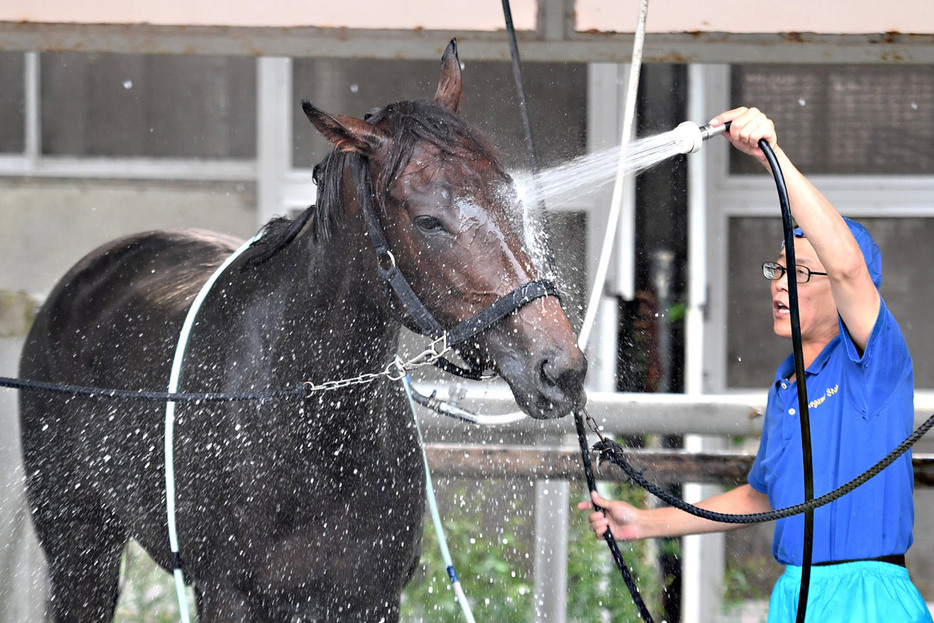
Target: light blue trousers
[854,592]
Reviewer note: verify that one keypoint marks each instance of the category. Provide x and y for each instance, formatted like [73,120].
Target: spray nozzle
[694,135]
[710,131]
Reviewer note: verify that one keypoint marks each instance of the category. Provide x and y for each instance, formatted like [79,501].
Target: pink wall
[739,16]
[388,14]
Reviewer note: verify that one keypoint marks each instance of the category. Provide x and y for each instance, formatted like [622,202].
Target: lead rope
[598,284]
[433,505]
[445,408]
[608,536]
[627,123]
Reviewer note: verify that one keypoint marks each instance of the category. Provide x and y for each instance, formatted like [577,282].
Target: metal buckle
[384,256]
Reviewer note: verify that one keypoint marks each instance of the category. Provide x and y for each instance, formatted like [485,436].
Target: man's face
[817,310]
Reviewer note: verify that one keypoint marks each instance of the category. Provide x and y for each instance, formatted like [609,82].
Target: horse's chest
[306,486]
[350,517]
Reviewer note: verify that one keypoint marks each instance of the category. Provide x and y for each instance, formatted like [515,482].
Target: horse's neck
[329,326]
[321,299]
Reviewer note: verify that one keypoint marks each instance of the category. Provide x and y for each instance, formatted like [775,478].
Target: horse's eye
[429,224]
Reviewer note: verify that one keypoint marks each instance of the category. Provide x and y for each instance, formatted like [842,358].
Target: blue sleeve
[883,365]
[756,476]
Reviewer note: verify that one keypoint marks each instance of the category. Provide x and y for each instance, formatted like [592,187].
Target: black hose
[800,373]
[802,409]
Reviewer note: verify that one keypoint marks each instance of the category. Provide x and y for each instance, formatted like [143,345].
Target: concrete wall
[47,225]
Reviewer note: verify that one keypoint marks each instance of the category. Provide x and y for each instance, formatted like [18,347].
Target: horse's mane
[409,123]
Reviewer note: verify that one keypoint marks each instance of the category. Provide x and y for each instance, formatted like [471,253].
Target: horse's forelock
[424,121]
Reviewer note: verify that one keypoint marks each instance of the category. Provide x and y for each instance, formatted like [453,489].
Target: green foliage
[147,592]
[740,582]
[496,571]
[677,312]
[491,541]
[596,590]
[492,560]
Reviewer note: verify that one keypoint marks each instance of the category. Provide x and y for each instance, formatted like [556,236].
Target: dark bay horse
[295,509]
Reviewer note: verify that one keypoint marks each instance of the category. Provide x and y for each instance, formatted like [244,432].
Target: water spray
[637,156]
[686,138]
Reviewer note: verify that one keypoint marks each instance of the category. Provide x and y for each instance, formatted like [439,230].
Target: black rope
[45,387]
[608,535]
[581,435]
[526,123]
[616,454]
[520,85]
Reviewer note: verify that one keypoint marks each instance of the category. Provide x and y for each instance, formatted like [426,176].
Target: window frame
[32,163]
[731,196]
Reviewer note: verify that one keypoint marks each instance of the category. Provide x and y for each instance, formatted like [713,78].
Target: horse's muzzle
[560,384]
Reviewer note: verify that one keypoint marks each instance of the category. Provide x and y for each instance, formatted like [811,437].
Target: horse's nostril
[549,374]
[558,384]
[562,374]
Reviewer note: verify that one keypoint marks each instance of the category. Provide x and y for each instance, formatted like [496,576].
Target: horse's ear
[347,133]
[449,87]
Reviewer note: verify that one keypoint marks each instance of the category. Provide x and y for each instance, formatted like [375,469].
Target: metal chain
[394,371]
[592,423]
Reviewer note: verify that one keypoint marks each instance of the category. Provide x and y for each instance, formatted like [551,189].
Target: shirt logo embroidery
[819,401]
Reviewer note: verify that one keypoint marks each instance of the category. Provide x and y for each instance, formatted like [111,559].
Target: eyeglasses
[773,271]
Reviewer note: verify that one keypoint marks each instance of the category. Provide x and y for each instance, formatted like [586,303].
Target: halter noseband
[424,320]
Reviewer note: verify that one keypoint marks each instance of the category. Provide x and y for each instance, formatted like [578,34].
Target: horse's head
[453,223]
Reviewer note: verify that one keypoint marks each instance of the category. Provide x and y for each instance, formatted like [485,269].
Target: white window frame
[727,196]
[32,163]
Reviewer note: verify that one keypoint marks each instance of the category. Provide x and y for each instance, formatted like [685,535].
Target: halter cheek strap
[423,319]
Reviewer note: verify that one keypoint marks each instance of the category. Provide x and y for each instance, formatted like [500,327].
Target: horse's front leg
[337,576]
[225,604]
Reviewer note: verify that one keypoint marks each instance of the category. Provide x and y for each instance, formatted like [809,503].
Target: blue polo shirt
[860,408]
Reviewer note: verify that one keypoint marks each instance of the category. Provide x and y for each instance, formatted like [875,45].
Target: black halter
[423,319]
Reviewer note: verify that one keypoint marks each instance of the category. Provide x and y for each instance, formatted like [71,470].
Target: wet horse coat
[287,509]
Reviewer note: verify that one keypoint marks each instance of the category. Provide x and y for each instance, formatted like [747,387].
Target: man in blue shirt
[860,400]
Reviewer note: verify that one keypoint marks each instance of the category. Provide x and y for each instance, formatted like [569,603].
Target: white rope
[170,424]
[598,285]
[435,515]
[629,112]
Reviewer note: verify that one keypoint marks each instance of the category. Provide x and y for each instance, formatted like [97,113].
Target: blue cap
[867,245]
